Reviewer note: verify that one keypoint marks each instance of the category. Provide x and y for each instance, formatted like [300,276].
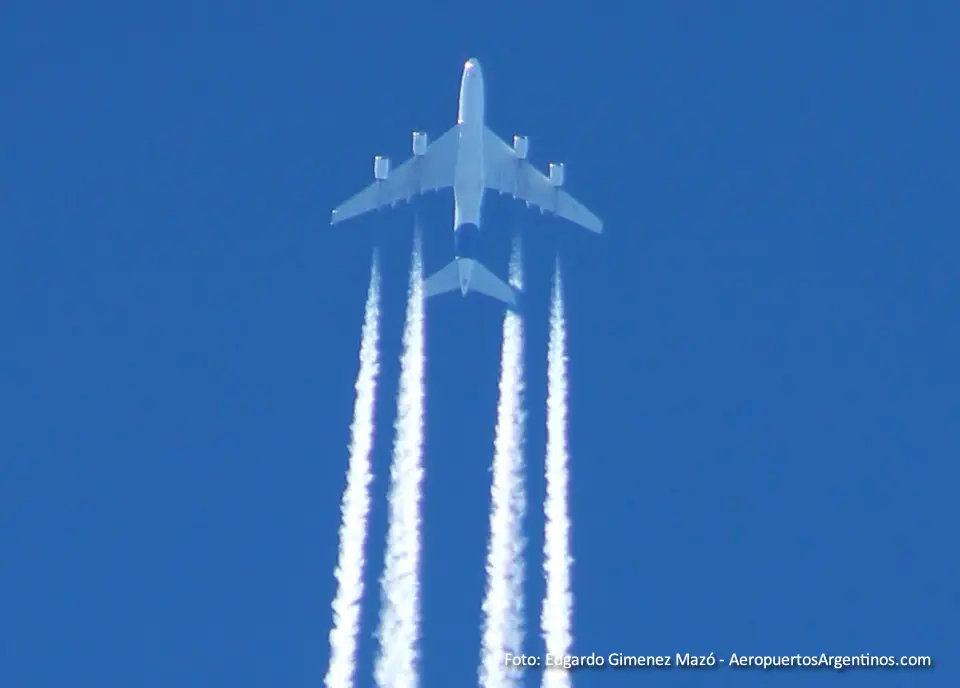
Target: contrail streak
[555,619]
[399,632]
[356,501]
[503,604]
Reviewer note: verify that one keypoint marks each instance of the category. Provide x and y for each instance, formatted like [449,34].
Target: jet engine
[419,143]
[556,173]
[381,167]
[520,146]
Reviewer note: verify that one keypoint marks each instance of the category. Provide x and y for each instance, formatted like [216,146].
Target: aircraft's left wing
[428,172]
[507,173]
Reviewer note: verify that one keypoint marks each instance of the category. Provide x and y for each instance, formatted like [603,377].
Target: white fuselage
[468,179]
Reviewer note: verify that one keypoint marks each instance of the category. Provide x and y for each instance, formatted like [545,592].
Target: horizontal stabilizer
[443,280]
[468,275]
[482,280]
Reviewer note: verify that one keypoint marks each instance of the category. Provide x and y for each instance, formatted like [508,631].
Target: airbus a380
[470,158]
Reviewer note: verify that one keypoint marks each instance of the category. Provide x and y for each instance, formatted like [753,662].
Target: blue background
[764,379]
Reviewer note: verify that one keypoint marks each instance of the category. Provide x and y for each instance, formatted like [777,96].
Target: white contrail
[399,632]
[503,604]
[555,619]
[356,501]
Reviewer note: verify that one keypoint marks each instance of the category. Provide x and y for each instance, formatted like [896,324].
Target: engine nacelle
[381,167]
[419,143]
[556,173]
[520,146]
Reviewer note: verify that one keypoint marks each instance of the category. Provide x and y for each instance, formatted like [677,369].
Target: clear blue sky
[764,378]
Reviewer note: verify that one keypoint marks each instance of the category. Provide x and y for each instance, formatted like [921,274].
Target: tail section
[478,278]
[468,275]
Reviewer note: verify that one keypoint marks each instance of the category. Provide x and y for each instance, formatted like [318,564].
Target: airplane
[470,158]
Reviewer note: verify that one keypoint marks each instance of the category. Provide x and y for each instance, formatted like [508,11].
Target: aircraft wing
[428,172]
[507,173]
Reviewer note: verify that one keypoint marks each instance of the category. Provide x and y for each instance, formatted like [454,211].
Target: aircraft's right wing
[507,173]
[428,172]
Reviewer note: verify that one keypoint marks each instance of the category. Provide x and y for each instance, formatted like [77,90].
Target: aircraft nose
[471,65]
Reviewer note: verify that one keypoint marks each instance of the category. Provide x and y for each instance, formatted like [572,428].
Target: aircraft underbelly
[468,180]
